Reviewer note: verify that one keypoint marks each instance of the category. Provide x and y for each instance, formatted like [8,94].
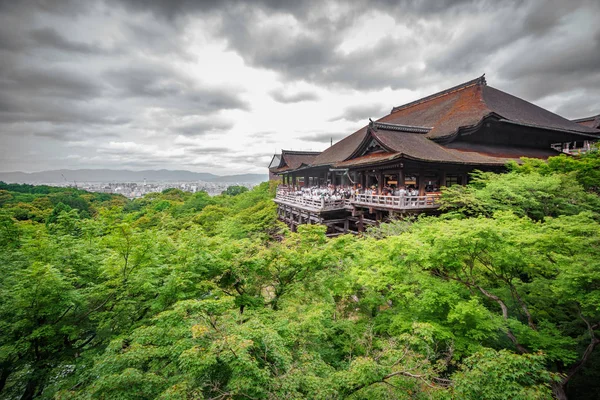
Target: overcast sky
[219,86]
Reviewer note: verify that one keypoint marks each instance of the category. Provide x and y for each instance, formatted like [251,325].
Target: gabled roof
[291,160]
[591,122]
[467,104]
[442,115]
[274,164]
[416,146]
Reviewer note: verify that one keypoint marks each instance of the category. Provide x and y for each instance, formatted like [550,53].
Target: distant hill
[114,175]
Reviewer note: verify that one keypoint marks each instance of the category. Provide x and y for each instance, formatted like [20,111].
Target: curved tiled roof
[418,147]
[445,113]
[295,159]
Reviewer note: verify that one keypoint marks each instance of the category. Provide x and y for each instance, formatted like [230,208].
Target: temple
[396,165]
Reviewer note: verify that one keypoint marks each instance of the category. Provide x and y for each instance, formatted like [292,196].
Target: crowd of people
[331,192]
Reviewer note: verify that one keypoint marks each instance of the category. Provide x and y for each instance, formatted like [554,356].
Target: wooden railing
[397,202]
[320,204]
[368,200]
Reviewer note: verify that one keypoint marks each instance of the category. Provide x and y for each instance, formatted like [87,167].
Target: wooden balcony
[396,203]
[310,204]
[389,203]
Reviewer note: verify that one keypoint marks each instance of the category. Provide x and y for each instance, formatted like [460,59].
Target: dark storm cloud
[167,88]
[63,112]
[58,7]
[49,37]
[171,9]
[35,80]
[297,97]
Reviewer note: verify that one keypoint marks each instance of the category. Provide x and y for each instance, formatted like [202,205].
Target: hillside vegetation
[186,296]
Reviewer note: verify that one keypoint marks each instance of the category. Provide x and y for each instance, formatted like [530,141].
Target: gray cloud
[206,150]
[200,128]
[361,112]
[49,37]
[33,80]
[325,137]
[297,97]
[124,69]
[170,89]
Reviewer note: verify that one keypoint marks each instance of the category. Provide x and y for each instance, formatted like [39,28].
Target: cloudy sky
[219,86]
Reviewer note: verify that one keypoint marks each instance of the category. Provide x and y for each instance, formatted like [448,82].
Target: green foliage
[585,167]
[503,375]
[185,296]
[526,194]
[235,190]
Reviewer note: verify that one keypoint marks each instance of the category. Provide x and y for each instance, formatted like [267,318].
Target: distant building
[591,122]
[273,165]
[290,160]
[426,144]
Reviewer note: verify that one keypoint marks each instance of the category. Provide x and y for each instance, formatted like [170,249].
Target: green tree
[235,190]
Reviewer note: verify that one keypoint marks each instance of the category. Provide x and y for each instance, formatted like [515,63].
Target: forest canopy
[186,296]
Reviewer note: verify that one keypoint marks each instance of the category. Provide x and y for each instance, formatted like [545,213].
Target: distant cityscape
[135,184]
[134,190]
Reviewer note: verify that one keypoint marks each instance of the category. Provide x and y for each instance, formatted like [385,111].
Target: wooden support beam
[334,221]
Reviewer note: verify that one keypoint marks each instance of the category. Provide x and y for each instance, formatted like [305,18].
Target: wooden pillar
[380,182]
[401,177]
[421,183]
[346,225]
[442,178]
[361,225]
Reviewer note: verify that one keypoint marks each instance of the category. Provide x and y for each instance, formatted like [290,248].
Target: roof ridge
[591,118]
[477,81]
[298,152]
[400,128]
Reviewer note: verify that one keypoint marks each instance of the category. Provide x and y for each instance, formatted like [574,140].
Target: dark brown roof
[291,160]
[342,149]
[442,114]
[515,109]
[591,122]
[417,146]
[467,104]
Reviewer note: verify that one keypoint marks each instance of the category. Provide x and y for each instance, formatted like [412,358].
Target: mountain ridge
[124,175]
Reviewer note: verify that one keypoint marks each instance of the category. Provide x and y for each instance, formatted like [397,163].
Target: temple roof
[416,146]
[290,159]
[439,118]
[591,122]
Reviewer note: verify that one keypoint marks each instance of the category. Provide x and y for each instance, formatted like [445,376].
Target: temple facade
[397,164]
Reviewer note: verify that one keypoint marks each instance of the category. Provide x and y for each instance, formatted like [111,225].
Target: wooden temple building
[423,145]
